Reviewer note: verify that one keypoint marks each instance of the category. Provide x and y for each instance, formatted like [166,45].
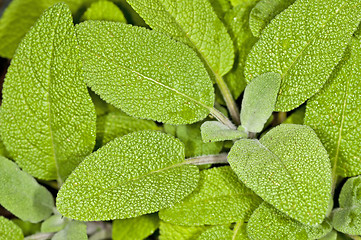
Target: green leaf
[334,235]
[240,231]
[117,124]
[288,168]
[259,101]
[220,7]
[304,43]
[54,223]
[214,131]
[22,195]
[104,10]
[9,230]
[169,84]
[47,117]
[217,233]
[265,10]
[73,231]
[194,23]
[297,117]
[138,228]
[27,227]
[335,115]
[136,174]
[170,231]
[220,198]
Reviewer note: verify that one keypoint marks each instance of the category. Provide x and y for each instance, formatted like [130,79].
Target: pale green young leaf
[334,113]
[54,223]
[264,12]
[104,10]
[240,231]
[47,119]
[194,23]
[145,73]
[259,101]
[136,174]
[73,231]
[170,231]
[214,131]
[138,228]
[217,233]
[288,168]
[9,230]
[303,44]
[22,195]
[297,117]
[220,198]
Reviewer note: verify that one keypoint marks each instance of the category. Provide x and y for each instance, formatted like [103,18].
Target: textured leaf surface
[334,113]
[9,230]
[304,43]
[22,195]
[259,101]
[145,73]
[220,198]
[73,231]
[220,7]
[240,231]
[138,228]
[217,233]
[133,175]
[54,223]
[170,231]
[47,117]
[288,168]
[104,10]
[193,22]
[264,12]
[214,131]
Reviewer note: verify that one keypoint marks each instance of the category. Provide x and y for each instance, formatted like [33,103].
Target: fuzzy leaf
[170,231]
[133,175]
[220,198]
[288,168]
[47,117]
[54,223]
[22,195]
[73,231]
[334,113]
[303,44]
[217,233]
[9,230]
[104,10]
[264,12]
[169,83]
[138,228]
[259,101]
[192,22]
[214,131]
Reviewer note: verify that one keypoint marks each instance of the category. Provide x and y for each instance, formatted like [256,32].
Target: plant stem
[223,119]
[228,98]
[208,159]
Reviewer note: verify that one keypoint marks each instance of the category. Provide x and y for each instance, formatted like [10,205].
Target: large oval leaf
[133,175]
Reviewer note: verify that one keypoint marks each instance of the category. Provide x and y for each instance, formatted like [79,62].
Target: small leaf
[217,233]
[22,195]
[169,84]
[297,117]
[303,44]
[170,231]
[288,168]
[214,131]
[136,174]
[259,101]
[104,10]
[240,231]
[220,198]
[264,12]
[47,119]
[138,228]
[334,113]
[9,230]
[54,223]
[73,231]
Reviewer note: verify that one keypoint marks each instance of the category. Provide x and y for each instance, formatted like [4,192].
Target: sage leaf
[138,228]
[217,233]
[335,116]
[240,231]
[22,195]
[9,230]
[220,198]
[264,12]
[133,175]
[54,223]
[303,44]
[194,23]
[220,7]
[289,168]
[47,119]
[170,231]
[169,84]
[73,231]
[214,131]
[259,101]
[104,10]
[297,117]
